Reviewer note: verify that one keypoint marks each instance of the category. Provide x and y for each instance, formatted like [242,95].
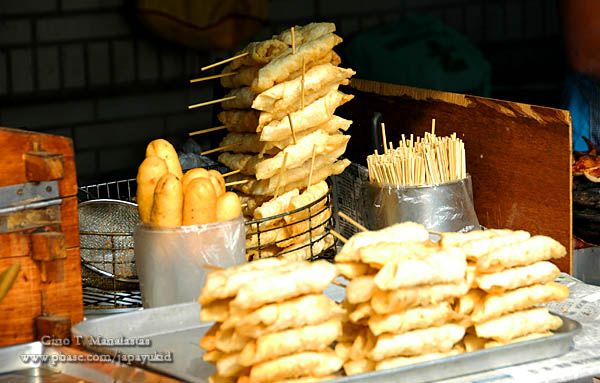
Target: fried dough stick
[262,52]
[285,97]
[313,114]
[251,143]
[246,75]
[280,68]
[259,188]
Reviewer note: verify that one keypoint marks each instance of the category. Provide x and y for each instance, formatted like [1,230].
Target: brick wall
[82,68]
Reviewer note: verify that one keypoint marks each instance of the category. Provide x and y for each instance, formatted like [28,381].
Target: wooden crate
[519,155]
[40,232]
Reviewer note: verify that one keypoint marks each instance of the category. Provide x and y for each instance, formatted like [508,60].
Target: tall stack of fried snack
[513,277]
[283,112]
[399,298]
[273,322]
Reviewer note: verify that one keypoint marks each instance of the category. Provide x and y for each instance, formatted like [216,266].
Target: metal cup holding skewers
[424,181]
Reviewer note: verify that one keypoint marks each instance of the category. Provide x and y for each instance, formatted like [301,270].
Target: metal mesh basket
[106,237]
[123,190]
[108,217]
[302,233]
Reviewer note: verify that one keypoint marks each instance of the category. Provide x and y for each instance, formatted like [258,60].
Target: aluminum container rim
[412,187]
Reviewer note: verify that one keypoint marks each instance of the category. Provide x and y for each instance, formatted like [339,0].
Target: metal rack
[98,298]
[123,190]
[316,237]
[107,288]
[104,291]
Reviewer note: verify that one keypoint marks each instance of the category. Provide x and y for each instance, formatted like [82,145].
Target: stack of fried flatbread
[295,236]
[513,277]
[399,298]
[273,322]
[282,116]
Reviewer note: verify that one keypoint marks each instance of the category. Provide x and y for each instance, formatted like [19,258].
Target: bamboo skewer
[220,148]
[293,42]
[281,173]
[230,173]
[240,182]
[337,283]
[312,166]
[463,170]
[292,129]
[208,130]
[199,79]
[425,161]
[352,221]
[208,266]
[384,137]
[338,235]
[211,102]
[302,82]
[224,61]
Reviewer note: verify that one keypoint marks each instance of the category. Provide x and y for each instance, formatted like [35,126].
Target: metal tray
[172,329]
[177,329]
[477,361]
[13,368]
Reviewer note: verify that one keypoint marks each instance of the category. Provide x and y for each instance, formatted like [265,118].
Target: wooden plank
[17,244]
[15,143]
[48,157]
[56,327]
[66,298]
[48,246]
[30,219]
[43,166]
[519,156]
[69,221]
[24,301]
[14,245]
[22,304]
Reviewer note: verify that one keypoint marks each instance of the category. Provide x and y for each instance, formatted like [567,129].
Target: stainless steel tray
[172,329]
[478,361]
[14,369]
[177,329]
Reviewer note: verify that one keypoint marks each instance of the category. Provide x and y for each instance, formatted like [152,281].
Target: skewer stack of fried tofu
[513,277]
[399,298]
[283,136]
[273,322]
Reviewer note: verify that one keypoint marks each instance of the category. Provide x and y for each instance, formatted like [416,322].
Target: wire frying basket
[300,234]
[107,219]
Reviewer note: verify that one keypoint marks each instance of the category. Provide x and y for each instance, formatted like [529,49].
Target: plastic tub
[172,263]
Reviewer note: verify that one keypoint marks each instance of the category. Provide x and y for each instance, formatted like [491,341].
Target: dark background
[87,70]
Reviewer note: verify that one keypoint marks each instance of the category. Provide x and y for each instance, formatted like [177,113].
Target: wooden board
[50,157]
[66,298]
[14,245]
[519,156]
[24,301]
[15,143]
[22,304]
[17,244]
[69,221]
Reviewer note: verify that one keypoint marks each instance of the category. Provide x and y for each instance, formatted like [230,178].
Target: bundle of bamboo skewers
[428,160]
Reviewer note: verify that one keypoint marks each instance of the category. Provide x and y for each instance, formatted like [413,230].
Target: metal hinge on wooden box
[40,294]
